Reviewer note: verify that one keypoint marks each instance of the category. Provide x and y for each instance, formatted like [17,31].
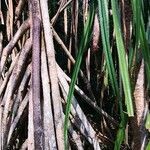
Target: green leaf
[147,123]
[104,26]
[122,60]
[148,146]
[83,46]
[136,5]
[120,133]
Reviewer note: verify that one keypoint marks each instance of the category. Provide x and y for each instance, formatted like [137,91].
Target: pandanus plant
[74,74]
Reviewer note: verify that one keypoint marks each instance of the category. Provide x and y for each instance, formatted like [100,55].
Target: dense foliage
[74,74]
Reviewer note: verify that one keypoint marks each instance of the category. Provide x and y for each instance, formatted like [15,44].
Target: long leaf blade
[122,60]
[83,45]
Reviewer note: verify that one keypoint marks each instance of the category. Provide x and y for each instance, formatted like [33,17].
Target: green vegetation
[74,74]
